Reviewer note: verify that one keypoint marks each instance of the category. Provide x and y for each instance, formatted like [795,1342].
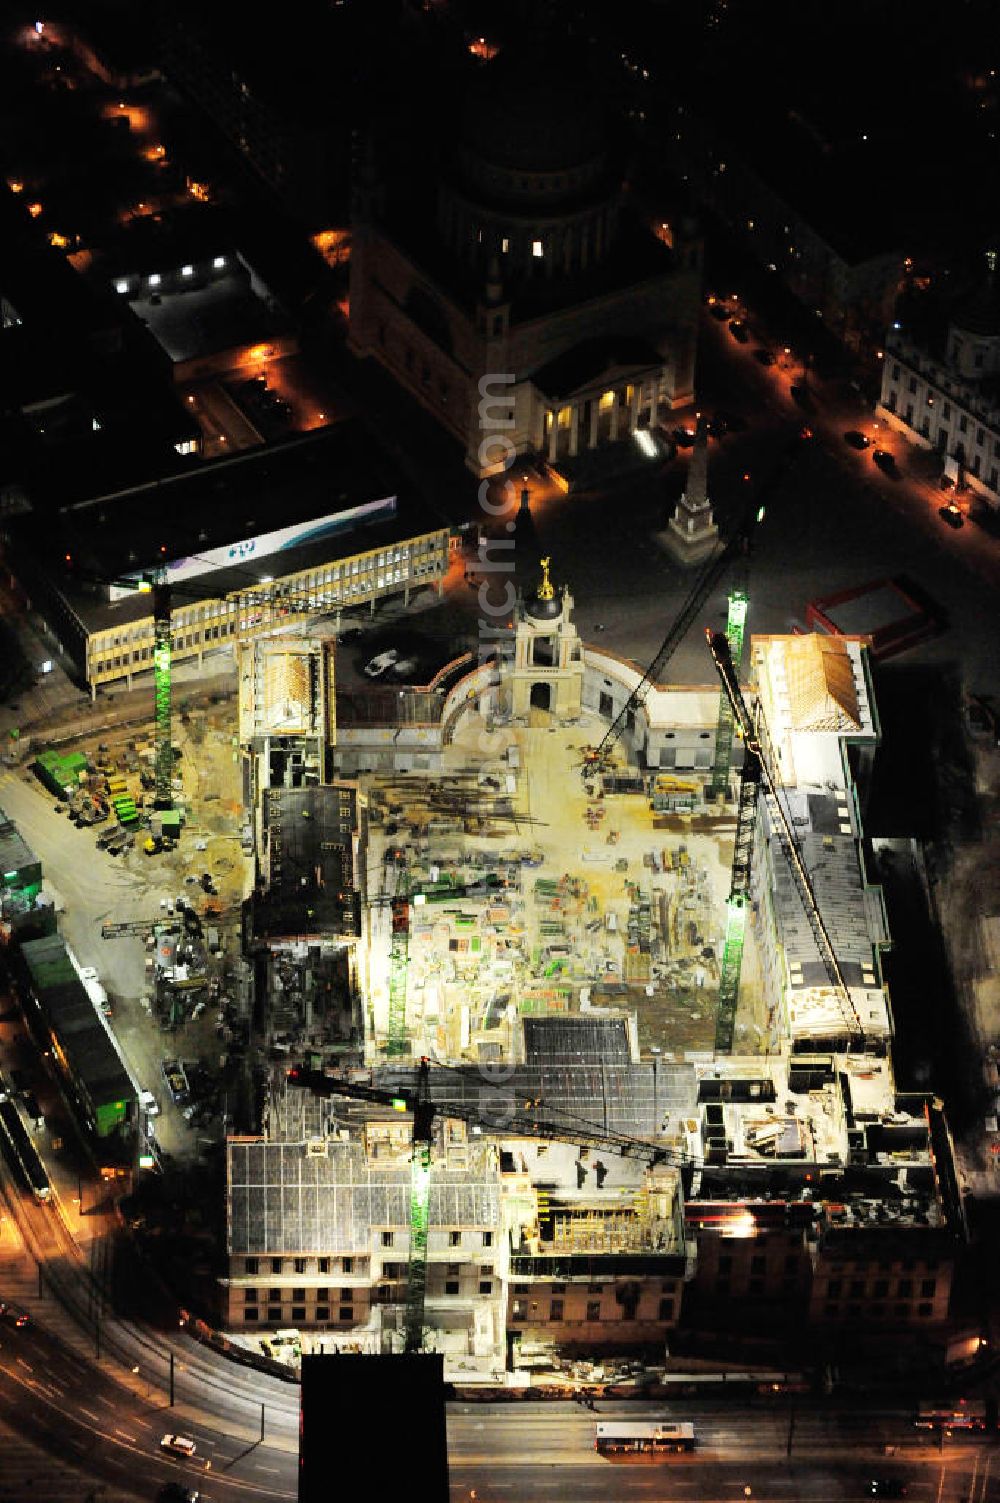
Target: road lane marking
[91,1415]
[125,1436]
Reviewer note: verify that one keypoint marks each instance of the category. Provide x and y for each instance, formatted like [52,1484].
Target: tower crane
[595,759]
[754,736]
[523,1122]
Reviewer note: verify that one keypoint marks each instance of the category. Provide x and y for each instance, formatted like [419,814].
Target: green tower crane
[735,626]
[162,657]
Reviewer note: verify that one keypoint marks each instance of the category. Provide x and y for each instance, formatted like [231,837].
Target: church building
[516,294]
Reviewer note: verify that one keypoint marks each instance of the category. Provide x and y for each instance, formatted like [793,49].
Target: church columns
[553,420]
[614,415]
[574,430]
[592,437]
[634,406]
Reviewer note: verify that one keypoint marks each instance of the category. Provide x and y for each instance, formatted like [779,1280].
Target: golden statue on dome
[546,590]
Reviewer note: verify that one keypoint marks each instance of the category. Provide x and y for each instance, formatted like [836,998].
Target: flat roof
[119,534]
[308,864]
[15,853]
[70,1014]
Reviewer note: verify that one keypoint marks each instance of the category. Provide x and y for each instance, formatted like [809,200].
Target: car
[19,1081]
[764,357]
[22,1319]
[802,397]
[178,1445]
[887,1487]
[952,514]
[683,437]
[149,1103]
[378,665]
[738,330]
[352,634]
[719,311]
[856,439]
[886,462]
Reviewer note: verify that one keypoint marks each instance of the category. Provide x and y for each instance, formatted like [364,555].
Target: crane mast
[753,736]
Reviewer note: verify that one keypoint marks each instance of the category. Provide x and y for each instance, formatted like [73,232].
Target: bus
[951,1414]
[642,1438]
[19,1150]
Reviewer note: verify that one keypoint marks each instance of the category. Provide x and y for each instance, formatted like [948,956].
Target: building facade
[949,400]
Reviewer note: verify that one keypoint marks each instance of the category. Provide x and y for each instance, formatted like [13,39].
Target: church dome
[528,116]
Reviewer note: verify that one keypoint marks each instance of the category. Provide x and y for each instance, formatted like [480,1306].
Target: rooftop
[73,1020]
[283,1198]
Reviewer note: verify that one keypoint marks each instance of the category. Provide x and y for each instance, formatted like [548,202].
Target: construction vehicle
[754,734]
[597,759]
[523,1122]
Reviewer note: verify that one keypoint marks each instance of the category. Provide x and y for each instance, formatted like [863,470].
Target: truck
[176,1081]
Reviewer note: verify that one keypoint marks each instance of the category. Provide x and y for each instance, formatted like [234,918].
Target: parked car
[176,1492]
[764,357]
[802,397]
[886,463]
[683,437]
[178,1445]
[149,1103]
[719,311]
[856,440]
[739,330]
[887,1487]
[952,514]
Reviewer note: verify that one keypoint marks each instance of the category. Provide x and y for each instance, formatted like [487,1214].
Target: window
[324,1265]
[251,1313]
[963,425]
[881,1288]
[487,1239]
[249,1296]
[486,1286]
[520,1310]
[558,1288]
[121,286]
[347,1265]
[666,1309]
[274,1294]
[300,1265]
[857,1286]
[345,1313]
[927,1288]
[155,279]
[595,1288]
[251,1266]
[979,436]
[298,1312]
[895,373]
[946,411]
[834,1288]
[274,1313]
[275,1265]
[298,1294]
[187,271]
[757,1265]
[454,1239]
[346,1295]
[322,1312]
[924,1311]
[593,1309]
[537,249]
[388,1239]
[219,262]
[451,1286]
[504,246]
[912,384]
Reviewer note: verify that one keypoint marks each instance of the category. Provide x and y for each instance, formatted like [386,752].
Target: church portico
[525,264]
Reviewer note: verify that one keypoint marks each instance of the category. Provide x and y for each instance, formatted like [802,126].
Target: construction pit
[531,890]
